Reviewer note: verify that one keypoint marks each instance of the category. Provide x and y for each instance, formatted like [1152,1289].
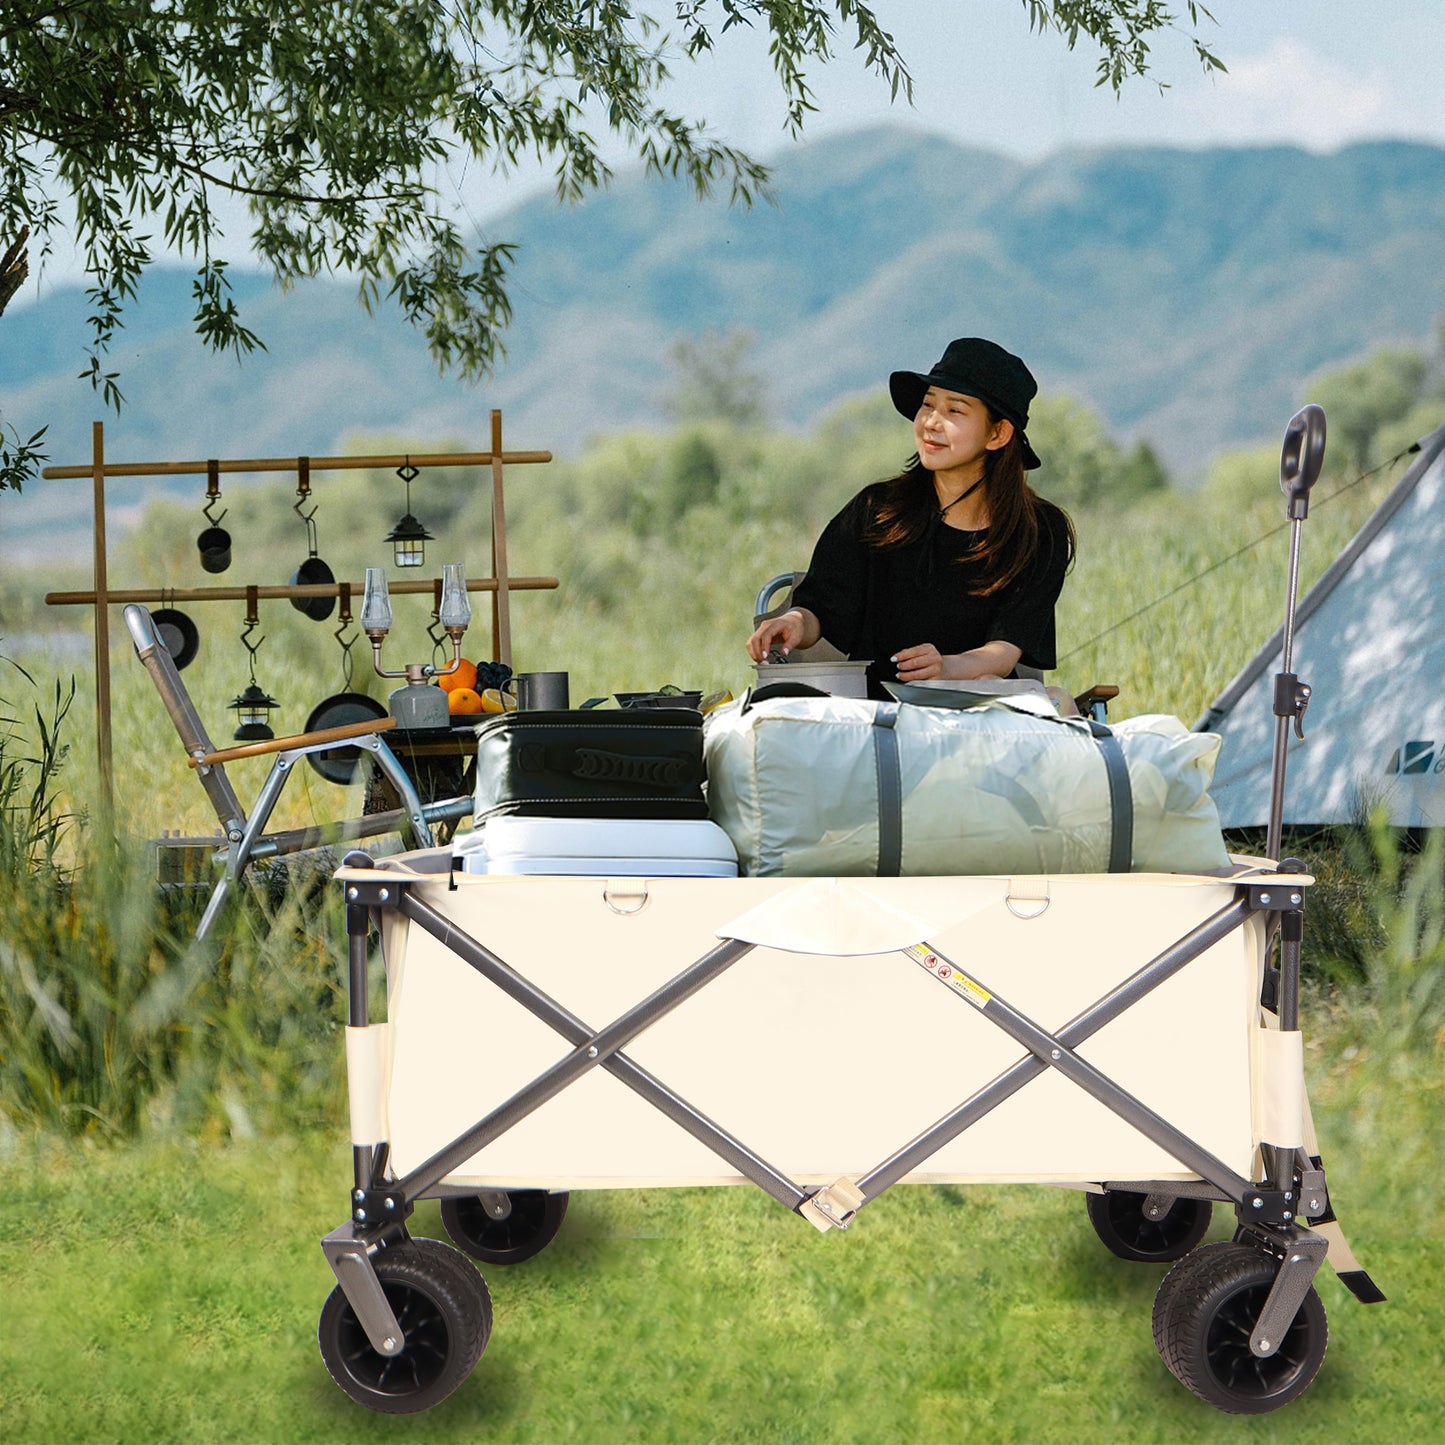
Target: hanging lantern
[253,707]
[408,538]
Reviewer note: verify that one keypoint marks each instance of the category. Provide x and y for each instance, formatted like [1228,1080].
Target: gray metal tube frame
[591,1049]
[1164,966]
[601,1048]
[1050,1051]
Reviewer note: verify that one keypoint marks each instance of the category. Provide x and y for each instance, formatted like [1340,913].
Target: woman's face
[953,431]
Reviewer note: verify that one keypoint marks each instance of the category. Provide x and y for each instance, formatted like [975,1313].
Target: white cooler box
[605,847]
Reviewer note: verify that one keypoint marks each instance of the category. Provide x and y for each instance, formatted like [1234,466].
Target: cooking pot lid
[177,634]
[338,764]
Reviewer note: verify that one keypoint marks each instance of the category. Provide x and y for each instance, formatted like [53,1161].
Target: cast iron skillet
[338,764]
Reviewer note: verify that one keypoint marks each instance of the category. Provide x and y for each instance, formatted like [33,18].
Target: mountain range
[1185,295]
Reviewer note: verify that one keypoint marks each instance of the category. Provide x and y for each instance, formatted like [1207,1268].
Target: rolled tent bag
[833,786]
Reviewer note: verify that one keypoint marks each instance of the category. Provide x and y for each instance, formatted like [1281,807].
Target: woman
[950,569]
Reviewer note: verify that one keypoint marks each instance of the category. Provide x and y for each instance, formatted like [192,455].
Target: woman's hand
[993,659]
[918,664]
[794,628]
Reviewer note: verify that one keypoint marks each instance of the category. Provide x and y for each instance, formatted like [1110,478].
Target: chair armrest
[300,740]
[1101,692]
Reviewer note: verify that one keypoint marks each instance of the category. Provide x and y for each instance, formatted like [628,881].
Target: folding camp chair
[245,837]
[1092,703]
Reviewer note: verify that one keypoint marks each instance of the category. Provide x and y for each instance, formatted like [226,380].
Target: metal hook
[213,493]
[408,474]
[303,494]
[253,621]
[434,630]
[340,635]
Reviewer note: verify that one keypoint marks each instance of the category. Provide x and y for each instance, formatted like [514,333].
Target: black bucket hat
[980,368]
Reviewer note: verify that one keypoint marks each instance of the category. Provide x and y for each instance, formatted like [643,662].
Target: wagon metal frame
[1238,1322]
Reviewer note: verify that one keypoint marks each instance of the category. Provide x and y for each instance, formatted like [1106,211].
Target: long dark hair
[907,510]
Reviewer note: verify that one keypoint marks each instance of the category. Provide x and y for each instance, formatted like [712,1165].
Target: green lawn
[169,1291]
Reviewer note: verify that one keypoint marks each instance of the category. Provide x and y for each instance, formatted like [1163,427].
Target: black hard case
[628,763]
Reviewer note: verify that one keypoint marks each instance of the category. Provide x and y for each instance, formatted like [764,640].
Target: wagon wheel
[445,1313]
[1119,1220]
[1204,1313]
[528,1229]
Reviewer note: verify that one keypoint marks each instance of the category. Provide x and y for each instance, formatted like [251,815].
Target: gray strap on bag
[890,790]
[889,770]
[1121,799]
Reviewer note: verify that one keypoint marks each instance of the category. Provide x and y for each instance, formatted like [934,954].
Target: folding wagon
[1135,1036]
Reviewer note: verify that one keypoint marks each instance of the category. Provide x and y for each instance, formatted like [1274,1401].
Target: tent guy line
[1249,546]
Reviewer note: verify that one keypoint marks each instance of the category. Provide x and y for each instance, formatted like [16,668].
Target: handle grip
[1302,457]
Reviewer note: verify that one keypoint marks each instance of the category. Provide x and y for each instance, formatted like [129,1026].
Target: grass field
[169,1291]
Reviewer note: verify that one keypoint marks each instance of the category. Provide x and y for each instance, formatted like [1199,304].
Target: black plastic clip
[1291,698]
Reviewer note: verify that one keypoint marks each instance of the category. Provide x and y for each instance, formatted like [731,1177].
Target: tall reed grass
[112,1018]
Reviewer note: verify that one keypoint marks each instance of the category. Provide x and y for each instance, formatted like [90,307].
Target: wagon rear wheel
[1206,1310]
[1122,1223]
[445,1314]
[529,1226]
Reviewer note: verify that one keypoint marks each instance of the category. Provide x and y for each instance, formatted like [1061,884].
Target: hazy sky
[1316,73]
[1319,73]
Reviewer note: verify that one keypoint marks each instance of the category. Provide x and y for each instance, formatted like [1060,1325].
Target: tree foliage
[712,380]
[124,123]
[1363,399]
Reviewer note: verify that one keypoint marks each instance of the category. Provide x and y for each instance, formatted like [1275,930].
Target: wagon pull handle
[1301,458]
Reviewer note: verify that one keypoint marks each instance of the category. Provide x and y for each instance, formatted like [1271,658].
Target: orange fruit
[464,677]
[464,700]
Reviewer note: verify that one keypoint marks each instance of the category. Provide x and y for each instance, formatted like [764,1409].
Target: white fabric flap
[835,916]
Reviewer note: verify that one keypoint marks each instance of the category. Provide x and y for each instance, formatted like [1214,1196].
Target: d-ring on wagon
[961,1029]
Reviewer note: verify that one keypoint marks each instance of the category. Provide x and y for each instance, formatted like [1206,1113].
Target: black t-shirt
[872,602]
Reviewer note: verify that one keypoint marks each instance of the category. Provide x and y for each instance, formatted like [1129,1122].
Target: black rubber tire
[445,1313]
[1119,1221]
[532,1225]
[1204,1313]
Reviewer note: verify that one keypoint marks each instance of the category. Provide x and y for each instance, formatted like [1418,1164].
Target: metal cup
[538,690]
[215,548]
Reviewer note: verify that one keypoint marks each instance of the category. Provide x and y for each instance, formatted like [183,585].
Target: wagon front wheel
[1133,1231]
[445,1314]
[530,1223]
[1206,1310]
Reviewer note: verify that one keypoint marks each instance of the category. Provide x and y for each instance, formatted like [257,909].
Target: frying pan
[338,764]
[312,573]
[178,634]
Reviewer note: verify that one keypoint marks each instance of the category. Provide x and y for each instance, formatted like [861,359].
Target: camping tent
[1370,642]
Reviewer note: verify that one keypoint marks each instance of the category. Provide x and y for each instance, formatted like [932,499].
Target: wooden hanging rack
[100,596]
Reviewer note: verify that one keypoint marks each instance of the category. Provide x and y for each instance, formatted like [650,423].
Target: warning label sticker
[950,974]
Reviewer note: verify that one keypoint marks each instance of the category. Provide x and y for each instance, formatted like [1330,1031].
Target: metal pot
[338,764]
[178,635]
[214,545]
[313,572]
